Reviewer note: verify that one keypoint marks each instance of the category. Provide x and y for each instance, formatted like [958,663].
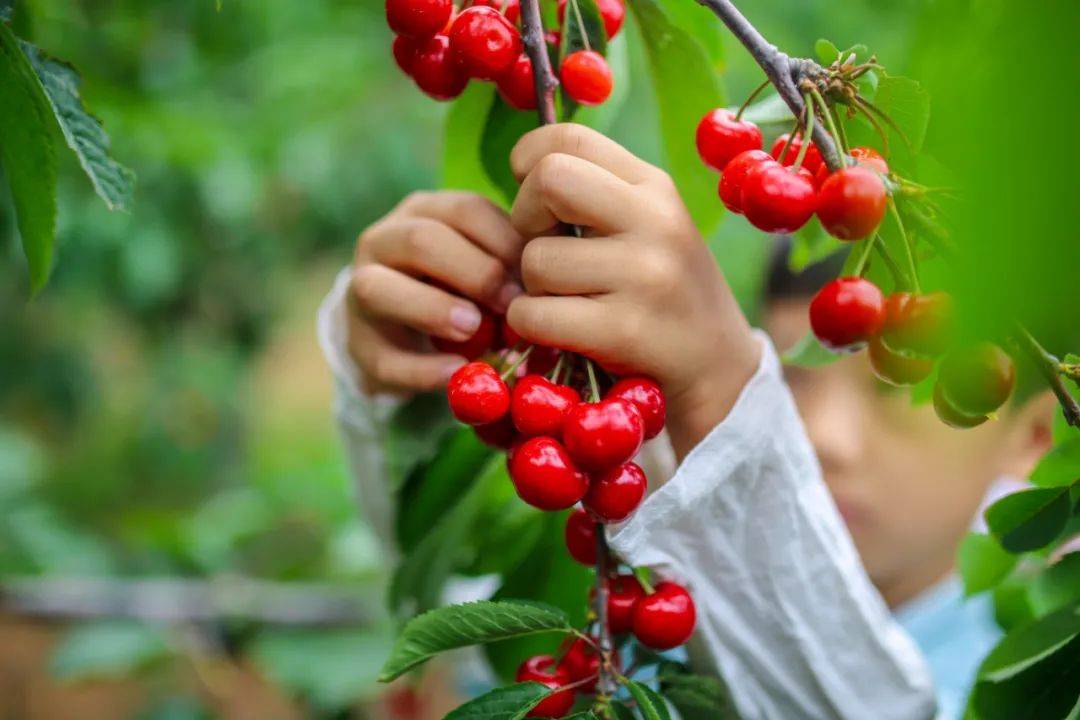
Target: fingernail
[451,367]
[465,319]
[509,291]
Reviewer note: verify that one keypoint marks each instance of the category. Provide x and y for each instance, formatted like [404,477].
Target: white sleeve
[786,613]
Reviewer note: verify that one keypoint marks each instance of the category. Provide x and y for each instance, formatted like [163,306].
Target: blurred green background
[164,410]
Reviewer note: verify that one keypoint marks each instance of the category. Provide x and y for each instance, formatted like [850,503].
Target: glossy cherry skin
[586,77]
[603,435]
[624,593]
[612,11]
[544,670]
[897,369]
[616,493]
[720,137]
[580,537]
[918,324]
[649,399]
[731,181]
[665,619]
[812,161]
[405,53]
[582,662]
[539,406]
[500,434]
[777,199]
[484,42]
[435,71]
[418,19]
[978,379]
[516,85]
[846,313]
[545,477]
[864,156]
[477,395]
[951,416]
[481,341]
[852,203]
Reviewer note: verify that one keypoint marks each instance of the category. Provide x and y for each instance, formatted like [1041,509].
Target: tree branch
[605,685]
[532,34]
[1050,367]
[785,73]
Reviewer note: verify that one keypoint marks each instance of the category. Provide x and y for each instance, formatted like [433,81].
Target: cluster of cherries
[442,49]
[564,449]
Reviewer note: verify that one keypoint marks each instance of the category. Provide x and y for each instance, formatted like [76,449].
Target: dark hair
[781,283]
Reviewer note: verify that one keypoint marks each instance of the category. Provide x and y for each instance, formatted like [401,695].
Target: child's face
[907,486]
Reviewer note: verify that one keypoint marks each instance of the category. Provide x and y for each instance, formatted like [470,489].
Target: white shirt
[786,613]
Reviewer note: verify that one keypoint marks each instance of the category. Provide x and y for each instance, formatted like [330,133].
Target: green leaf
[811,244]
[1029,519]
[462,168]
[84,134]
[1060,466]
[983,563]
[28,155]
[697,697]
[1056,586]
[470,624]
[826,52]
[583,28]
[621,712]
[414,434]
[506,703]
[1030,643]
[113,649]
[504,127]
[686,87]
[808,353]
[1046,690]
[650,705]
[908,104]
[700,24]
[772,110]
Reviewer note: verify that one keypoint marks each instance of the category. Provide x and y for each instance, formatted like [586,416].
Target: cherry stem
[1049,367]
[544,80]
[807,133]
[908,251]
[509,372]
[594,387]
[860,104]
[554,374]
[642,576]
[820,100]
[750,99]
[581,25]
[897,274]
[605,685]
[868,247]
[835,116]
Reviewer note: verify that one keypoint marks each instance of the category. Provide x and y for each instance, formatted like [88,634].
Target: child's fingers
[390,295]
[474,216]
[581,142]
[574,323]
[567,189]
[386,366]
[571,265]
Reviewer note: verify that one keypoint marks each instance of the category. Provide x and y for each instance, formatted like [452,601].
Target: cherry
[731,181]
[649,399]
[512,10]
[509,336]
[778,199]
[897,369]
[539,406]
[404,49]
[418,18]
[581,537]
[624,592]
[846,313]
[952,417]
[484,42]
[544,475]
[544,670]
[435,71]
[720,137]
[978,379]
[542,360]
[586,77]
[615,494]
[864,156]
[852,203]
[500,434]
[481,341]
[812,161]
[665,619]
[603,435]
[477,395]
[918,324]
[516,86]
[582,662]
[612,11]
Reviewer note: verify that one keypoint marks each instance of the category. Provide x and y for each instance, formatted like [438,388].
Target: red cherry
[544,670]
[615,494]
[435,72]
[481,341]
[812,161]
[542,360]
[405,53]
[777,199]
[624,592]
[553,38]
[539,406]
[952,417]
[666,618]
[852,203]
[477,395]
[544,475]
[603,435]
[509,336]
[871,158]
[918,324]
[512,10]
[516,85]
[649,399]
[897,369]
[612,11]
[720,137]
[418,19]
[581,537]
[586,77]
[484,42]
[846,313]
[731,181]
[500,434]
[978,379]
[582,662]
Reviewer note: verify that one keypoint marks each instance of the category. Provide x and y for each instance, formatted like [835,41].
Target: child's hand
[458,239]
[640,292]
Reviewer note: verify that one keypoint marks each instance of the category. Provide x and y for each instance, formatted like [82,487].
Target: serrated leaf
[808,353]
[1030,519]
[686,87]
[1030,643]
[649,703]
[503,128]
[983,563]
[84,133]
[907,103]
[28,156]
[826,52]
[474,623]
[505,703]
[1060,466]
[697,697]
